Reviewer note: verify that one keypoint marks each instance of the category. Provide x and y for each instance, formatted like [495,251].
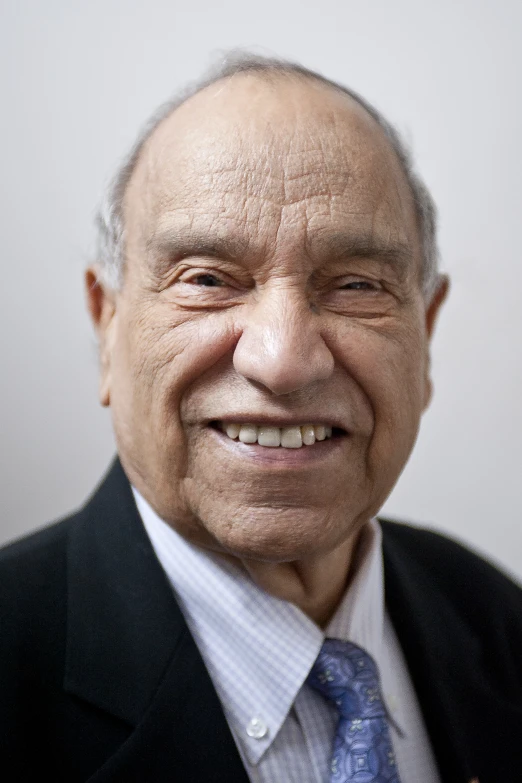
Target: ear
[101,302]
[432,311]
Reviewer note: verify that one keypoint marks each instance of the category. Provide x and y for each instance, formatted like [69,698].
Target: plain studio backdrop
[78,79]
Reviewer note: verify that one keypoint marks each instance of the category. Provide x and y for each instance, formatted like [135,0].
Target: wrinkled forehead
[249,154]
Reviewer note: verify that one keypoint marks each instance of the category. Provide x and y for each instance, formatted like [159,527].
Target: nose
[281,345]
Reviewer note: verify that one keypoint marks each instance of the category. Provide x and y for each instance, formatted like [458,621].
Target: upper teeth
[289,437]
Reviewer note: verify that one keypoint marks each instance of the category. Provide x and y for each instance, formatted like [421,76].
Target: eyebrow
[337,246]
[180,242]
[349,245]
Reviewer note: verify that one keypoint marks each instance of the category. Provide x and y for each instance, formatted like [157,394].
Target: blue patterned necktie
[362,752]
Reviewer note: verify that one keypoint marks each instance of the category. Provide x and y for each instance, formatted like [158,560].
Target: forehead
[251,157]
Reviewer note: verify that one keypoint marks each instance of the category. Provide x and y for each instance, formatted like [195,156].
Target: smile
[289,437]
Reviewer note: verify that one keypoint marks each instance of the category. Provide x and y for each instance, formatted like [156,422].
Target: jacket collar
[130,654]
[474,727]
[123,622]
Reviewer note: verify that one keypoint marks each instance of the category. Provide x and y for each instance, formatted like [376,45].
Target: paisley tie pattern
[347,675]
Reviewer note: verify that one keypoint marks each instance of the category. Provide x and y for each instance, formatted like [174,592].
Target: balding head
[110,220]
[261,161]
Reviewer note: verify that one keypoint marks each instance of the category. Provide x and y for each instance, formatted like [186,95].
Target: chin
[281,535]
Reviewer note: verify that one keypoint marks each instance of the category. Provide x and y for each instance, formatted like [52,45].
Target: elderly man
[227,607]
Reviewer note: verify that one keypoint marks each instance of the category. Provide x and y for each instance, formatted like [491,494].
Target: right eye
[207,280]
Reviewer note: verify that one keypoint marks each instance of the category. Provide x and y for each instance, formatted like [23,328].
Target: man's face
[272,280]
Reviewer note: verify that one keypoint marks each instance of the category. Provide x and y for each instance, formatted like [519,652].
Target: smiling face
[272,293]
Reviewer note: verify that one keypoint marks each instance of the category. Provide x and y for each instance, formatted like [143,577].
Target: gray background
[77,79]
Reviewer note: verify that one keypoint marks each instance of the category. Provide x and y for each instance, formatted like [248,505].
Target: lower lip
[281,457]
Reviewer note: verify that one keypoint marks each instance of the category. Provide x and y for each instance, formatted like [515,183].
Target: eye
[207,280]
[359,285]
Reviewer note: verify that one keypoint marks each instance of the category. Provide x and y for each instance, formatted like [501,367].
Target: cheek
[161,353]
[399,403]
[156,358]
[389,368]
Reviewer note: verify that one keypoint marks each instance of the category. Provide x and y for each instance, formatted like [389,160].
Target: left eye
[209,281]
[358,285]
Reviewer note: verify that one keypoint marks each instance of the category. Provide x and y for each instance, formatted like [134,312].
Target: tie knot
[347,675]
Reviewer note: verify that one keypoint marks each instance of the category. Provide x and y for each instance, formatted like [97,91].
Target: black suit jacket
[101,681]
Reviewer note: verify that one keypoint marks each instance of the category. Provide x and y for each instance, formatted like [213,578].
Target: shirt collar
[359,617]
[257,648]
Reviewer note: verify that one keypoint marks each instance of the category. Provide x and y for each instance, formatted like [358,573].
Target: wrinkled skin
[272,271]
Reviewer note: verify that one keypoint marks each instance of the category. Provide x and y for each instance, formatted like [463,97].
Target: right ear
[101,302]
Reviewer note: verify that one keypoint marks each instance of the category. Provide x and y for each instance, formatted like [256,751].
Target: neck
[316,586]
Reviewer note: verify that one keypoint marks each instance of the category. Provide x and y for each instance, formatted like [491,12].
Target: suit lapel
[474,730]
[130,654]
[183,735]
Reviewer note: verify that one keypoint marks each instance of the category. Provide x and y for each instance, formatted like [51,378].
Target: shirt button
[257,728]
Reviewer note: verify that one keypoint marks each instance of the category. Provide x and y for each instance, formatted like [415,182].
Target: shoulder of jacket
[451,568]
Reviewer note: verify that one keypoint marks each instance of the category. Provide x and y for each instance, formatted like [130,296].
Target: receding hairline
[271,76]
[110,218]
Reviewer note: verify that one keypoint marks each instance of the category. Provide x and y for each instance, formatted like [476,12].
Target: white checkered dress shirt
[259,650]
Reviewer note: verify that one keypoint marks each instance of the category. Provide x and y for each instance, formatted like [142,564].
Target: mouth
[290,436]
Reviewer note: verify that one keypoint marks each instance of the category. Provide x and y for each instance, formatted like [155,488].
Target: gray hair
[110,218]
